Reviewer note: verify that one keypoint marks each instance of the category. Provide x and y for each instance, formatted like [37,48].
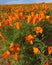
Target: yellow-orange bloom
[49,49]
[6,54]
[38,29]
[36,50]
[29,18]
[16,15]
[30,38]
[21,17]
[31,42]
[47,17]
[46,63]
[41,17]
[18,25]
[34,20]
[0,25]
[14,47]
[2,36]
[32,14]
[16,56]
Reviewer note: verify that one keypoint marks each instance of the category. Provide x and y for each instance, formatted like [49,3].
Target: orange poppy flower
[2,36]
[0,25]
[29,18]
[36,50]
[30,38]
[10,18]
[21,17]
[47,17]
[18,25]
[16,15]
[41,17]
[50,49]
[31,42]
[6,54]
[44,11]
[5,14]
[46,63]
[32,14]
[37,15]
[16,56]
[34,20]
[14,47]
[14,18]
[38,29]
[8,22]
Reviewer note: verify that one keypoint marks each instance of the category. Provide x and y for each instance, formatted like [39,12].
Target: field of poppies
[26,34]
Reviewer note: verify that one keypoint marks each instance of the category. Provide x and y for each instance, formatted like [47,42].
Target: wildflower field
[26,34]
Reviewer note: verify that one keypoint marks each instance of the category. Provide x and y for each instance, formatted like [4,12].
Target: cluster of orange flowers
[37,51]
[36,17]
[14,48]
[22,13]
[30,37]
